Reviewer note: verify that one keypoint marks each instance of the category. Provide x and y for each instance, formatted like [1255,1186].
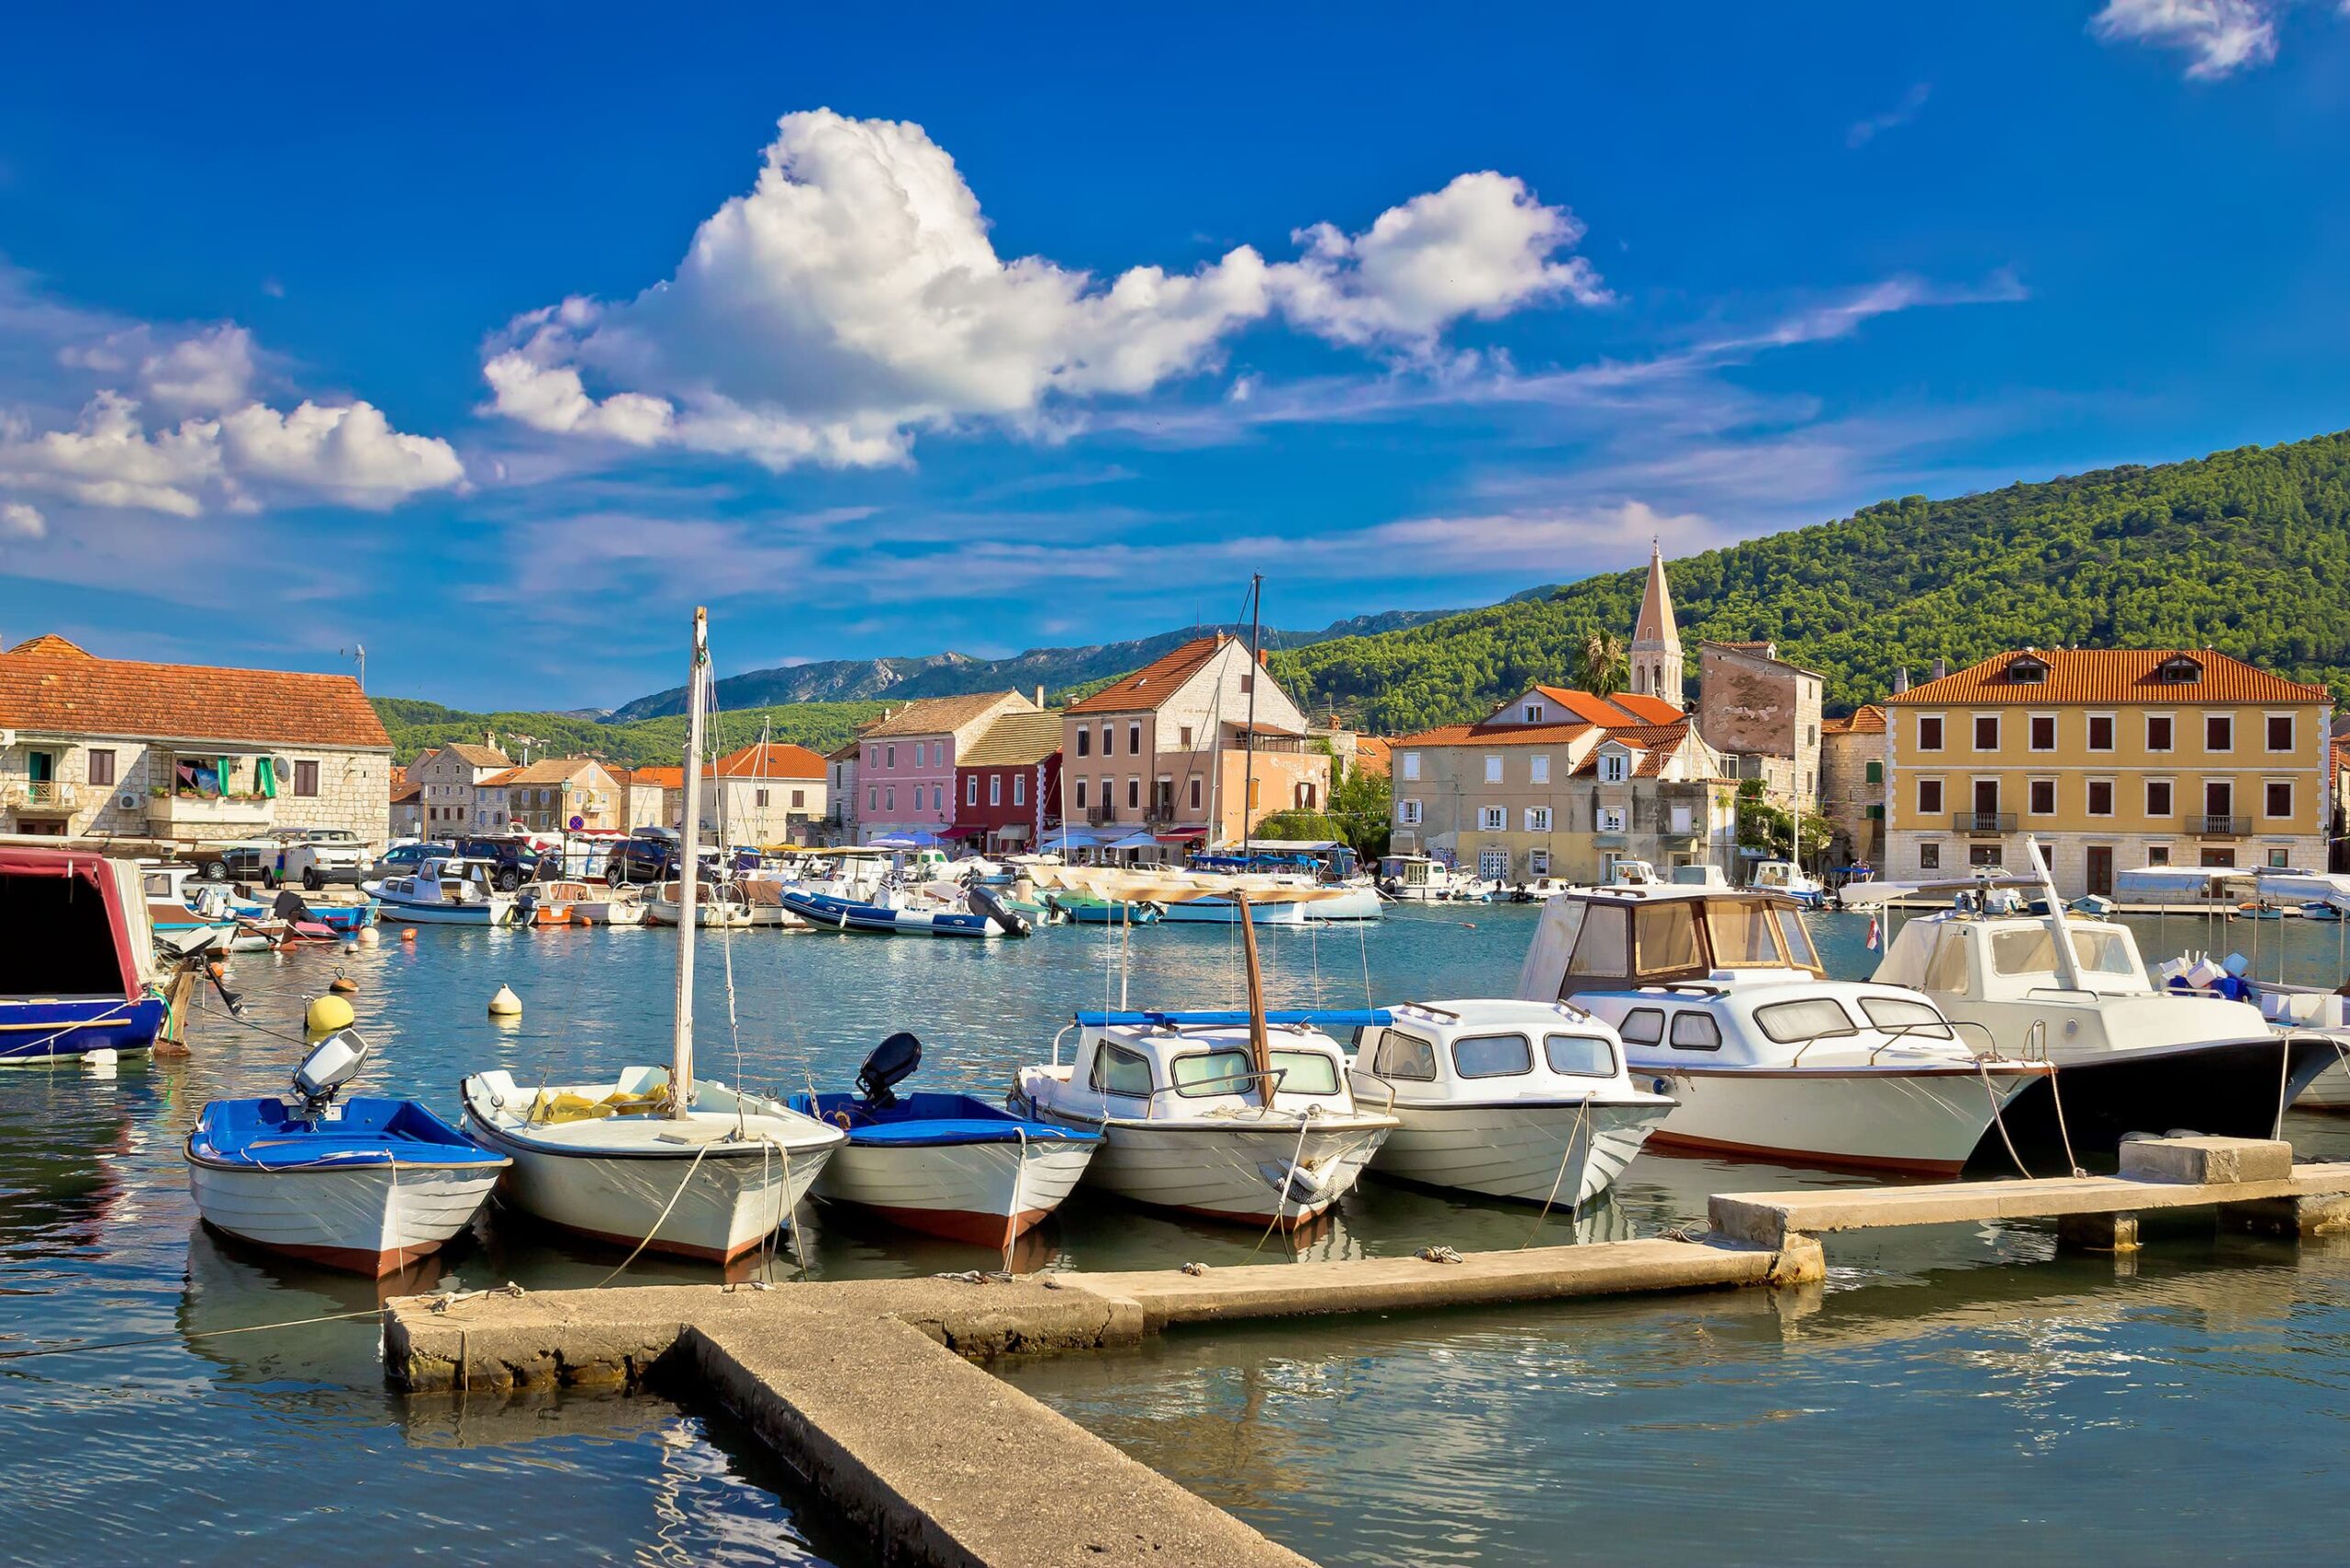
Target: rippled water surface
[1925,1404]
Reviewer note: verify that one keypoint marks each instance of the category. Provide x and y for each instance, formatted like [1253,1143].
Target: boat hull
[41,1029]
[827,913]
[1229,1168]
[2225,1089]
[1221,911]
[1355,903]
[398,913]
[985,1193]
[1554,1152]
[371,1220]
[1922,1121]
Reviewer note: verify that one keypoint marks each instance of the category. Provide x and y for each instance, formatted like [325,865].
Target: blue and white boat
[368,1185]
[950,1165]
[77,967]
[1788,880]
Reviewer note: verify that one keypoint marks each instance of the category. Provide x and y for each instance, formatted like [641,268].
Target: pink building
[905,773]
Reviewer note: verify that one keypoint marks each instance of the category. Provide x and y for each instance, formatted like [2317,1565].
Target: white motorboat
[652,1158]
[1213,910]
[764,898]
[444,891]
[717,906]
[609,906]
[1507,1099]
[1420,878]
[1720,1001]
[2131,1055]
[1788,880]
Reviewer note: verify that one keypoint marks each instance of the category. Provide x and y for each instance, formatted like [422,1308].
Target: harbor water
[1951,1394]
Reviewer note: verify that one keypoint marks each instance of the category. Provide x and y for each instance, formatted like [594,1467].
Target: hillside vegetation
[416,725]
[2246,551]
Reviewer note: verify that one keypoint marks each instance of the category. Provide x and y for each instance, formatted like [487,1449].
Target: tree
[1780,834]
[1364,808]
[1604,666]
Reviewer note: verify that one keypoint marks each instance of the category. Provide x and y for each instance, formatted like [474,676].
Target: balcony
[39,795]
[1986,824]
[184,816]
[2219,827]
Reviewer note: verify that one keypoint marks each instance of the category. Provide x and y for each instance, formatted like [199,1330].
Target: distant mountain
[953,674]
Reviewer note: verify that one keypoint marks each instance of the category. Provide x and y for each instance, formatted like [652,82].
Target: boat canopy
[1329,1018]
[1623,938]
[77,924]
[1153,885]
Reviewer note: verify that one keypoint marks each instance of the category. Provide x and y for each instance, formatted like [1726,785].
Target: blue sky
[495,342]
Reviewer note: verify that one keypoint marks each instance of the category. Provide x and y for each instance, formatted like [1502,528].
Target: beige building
[91,746]
[551,796]
[408,806]
[765,793]
[446,777]
[1852,784]
[2114,758]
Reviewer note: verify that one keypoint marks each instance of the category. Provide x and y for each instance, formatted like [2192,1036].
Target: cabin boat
[1199,1113]
[2131,1055]
[1720,1000]
[1083,909]
[949,1165]
[445,891]
[549,904]
[1420,878]
[368,1185]
[1788,880]
[77,970]
[1522,1100]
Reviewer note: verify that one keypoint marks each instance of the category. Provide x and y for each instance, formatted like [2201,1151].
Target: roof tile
[2109,675]
[49,684]
[1148,687]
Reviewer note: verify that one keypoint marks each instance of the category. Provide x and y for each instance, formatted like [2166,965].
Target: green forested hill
[2246,551]
[416,725]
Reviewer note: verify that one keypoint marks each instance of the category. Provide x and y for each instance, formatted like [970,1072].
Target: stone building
[551,796]
[91,746]
[907,759]
[768,793]
[408,806]
[445,778]
[1852,785]
[1763,714]
[1654,655]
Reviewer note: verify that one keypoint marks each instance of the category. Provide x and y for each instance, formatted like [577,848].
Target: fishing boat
[950,1165]
[1789,882]
[1720,1000]
[652,1157]
[716,906]
[445,891]
[1420,878]
[368,1185]
[604,905]
[1522,1100]
[1079,909]
[2131,1056]
[77,968]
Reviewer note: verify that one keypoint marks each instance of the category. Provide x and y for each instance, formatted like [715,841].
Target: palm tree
[1603,664]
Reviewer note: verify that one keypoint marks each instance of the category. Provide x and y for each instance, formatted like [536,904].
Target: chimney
[1040,696]
[1942,667]
[1901,679]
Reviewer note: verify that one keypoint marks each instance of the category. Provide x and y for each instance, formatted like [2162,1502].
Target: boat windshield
[1664,937]
[1892,1013]
[1580,1055]
[1302,1072]
[1210,1073]
[1787,1021]
[1492,1056]
[1798,936]
[2033,952]
[1743,935]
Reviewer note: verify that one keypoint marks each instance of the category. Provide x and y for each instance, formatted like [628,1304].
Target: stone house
[550,796]
[1763,714]
[1852,785]
[764,793]
[840,792]
[446,776]
[91,747]
[408,806]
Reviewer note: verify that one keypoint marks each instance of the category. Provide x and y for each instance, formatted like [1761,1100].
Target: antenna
[358,651]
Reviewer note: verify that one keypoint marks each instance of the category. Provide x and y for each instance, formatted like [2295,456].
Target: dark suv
[517,862]
[650,860]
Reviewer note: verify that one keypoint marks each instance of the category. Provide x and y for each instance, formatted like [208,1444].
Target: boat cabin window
[1405,1055]
[1744,934]
[1492,1056]
[1601,950]
[1642,1026]
[1949,969]
[1665,935]
[1891,1012]
[1805,1020]
[1797,937]
[2033,952]
[1304,1072]
[1211,1072]
[1580,1055]
[1117,1071]
[1696,1032]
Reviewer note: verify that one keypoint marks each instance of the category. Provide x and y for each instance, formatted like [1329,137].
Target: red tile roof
[666,778]
[1648,710]
[777,759]
[1373,752]
[1148,687]
[1496,734]
[1656,744]
[49,686]
[1866,720]
[2109,675]
[939,715]
[1625,711]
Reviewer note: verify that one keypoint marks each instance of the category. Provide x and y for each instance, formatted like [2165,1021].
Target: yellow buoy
[506,1004]
[329,1014]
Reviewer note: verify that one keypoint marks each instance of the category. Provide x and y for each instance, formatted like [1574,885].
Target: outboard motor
[289,906]
[332,1062]
[988,901]
[892,1062]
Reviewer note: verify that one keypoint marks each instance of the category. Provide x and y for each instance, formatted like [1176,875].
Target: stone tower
[1655,653]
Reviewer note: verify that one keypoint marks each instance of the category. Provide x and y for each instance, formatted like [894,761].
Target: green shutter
[1876,773]
[266,778]
[1876,813]
[227,774]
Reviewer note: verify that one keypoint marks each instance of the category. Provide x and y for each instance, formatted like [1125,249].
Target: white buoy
[367,936]
[104,1055]
[506,1004]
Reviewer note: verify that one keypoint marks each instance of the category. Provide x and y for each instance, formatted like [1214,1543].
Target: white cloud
[348,454]
[1860,133]
[109,460]
[853,297]
[18,521]
[2221,36]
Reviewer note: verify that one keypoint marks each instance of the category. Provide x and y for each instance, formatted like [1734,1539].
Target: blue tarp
[1331,1018]
[269,1135]
[920,1121]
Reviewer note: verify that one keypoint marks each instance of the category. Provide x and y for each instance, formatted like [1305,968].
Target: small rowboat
[368,1185]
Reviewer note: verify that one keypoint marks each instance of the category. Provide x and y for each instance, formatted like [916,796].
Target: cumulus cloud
[18,521]
[2220,36]
[853,298]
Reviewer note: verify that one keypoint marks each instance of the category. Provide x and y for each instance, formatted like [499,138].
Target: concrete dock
[869,1390]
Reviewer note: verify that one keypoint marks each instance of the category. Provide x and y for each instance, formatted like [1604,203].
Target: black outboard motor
[290,907]
[988,901]
[892,1062]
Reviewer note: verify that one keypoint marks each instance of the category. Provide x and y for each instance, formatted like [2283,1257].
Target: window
[1133,740]
[2280,732]
[1134,793]
[1608,819]
[893,756]
[1405,1055]
[1406,811]
[1642,1026]
[1210,1073]
[1929,797]
[2219,733]
[1195,795]
[1534,712]
[1117,1071]
[1810,1019]
[1081,795]
[1613,766]
[1084,741]
[2158,797]
[2158,854]
[1493,1055]
[1412,765]
[1302,1072]
[891,798]
[872,799]
[1874,773]
[1664,937]
[1185,737]
[2179,670]
[2043,732]
[1743,935]
[2278,860]
[2100,797]
[1537,769]
[1109,738]
[1930,857]
[2276,799]
[1601,950]
[1987,732]
[799,798]
[995,789]
[1580,1055]
[2033,952]
[1020,788]
[2040,797]
[759,798]
[2158,731]
[1537,819]
[1896,1014]
[1492,818]
[102,768]
[1696,1032]
[937,798]
[2101,732]
[1493,770]
[1929,731]
[918,754]
[305,778]
[971,790]
[1538,862]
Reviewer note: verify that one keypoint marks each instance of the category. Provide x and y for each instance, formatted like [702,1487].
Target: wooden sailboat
[652,1157]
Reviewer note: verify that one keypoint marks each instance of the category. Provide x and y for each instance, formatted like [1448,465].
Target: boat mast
[1260,1048]
[1248,767]
[681,1039]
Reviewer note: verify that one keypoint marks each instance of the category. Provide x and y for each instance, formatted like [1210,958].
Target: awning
[1012,833]
[1183,835]
[1138,841]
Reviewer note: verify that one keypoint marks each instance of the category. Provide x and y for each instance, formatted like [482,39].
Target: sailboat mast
[681,1040]
[1256,668]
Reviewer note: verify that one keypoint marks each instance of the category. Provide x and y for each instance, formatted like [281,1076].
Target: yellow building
[2115,758]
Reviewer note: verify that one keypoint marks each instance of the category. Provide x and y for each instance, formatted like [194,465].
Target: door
[2218,803]
[1987,805]
[2100,870]
[2219,857]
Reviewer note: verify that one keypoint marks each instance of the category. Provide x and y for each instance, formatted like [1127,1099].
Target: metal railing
[2219,827]
[1983,821]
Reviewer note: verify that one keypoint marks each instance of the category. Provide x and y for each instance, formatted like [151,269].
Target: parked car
[316,861]
[517,862]
[402,858]
[648,860]
[238,860]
